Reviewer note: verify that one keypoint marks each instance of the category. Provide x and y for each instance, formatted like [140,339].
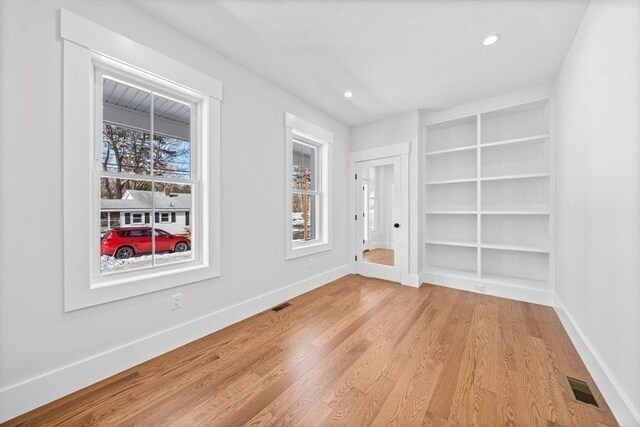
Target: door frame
[402,151]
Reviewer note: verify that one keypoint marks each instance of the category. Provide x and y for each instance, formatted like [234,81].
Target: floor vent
[581,392]
[281,306]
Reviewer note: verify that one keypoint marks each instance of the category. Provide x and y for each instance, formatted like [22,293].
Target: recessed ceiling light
[348,94]
[491,39]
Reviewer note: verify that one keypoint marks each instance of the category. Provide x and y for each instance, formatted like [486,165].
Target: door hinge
[363,241]
[356,217]
[356,176]
[362,188]
[356,257]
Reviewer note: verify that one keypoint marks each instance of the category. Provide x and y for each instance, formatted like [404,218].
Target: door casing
[401,151]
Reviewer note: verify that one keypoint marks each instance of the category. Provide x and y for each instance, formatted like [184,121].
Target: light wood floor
[379,256]
[356,352]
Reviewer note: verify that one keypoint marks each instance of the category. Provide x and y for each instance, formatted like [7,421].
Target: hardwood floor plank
[358,351]
[256,405]
[452,357]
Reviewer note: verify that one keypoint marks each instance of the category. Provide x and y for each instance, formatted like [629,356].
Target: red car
[127,242]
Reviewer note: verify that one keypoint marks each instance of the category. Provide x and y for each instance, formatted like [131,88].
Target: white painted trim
[101,40]
[375,156]
[518,293]
[22,397]
[381,152]
[314,131]
[619,403]
[496,103]
[413,280]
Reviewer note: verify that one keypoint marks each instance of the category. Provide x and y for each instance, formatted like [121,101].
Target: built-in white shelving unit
[487,197]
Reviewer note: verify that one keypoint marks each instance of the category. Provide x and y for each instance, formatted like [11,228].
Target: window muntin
[134,172]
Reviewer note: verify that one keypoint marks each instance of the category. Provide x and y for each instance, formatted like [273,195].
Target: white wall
[598,197]
[36,336]
[396,130]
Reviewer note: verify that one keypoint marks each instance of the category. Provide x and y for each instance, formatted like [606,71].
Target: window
[145,162]
[308,188]
[109,220]
[141,134]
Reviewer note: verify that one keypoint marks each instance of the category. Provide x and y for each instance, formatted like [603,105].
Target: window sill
[306,249]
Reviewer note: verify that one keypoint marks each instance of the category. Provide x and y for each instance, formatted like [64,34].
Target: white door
[378,214]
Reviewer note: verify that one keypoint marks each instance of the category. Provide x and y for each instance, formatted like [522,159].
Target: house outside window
[308,201]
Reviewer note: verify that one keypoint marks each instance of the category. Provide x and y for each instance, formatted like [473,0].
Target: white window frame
[86,46]
[137,214]
[297,128]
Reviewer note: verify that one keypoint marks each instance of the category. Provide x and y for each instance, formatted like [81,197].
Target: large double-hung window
[147,173]
[141,168]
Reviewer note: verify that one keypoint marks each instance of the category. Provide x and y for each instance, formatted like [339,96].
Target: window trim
[83,41]
[297,128]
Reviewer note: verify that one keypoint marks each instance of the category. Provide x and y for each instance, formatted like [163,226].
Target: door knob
[396,225]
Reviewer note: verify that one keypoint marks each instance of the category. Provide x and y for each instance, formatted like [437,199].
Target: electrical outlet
[176,301]
[479,288]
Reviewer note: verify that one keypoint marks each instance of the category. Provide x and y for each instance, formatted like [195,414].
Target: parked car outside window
[124,243]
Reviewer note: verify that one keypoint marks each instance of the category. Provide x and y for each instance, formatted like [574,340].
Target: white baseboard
[518,293]
[412,280]
[618,402]
[34,392]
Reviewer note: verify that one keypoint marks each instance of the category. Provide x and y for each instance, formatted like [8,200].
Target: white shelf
[468,244]
[451,181]
[487,278]
[511,164]
[522,248]
[451,212]
[515,212]
[513,281]
[465,274]
[452,150]
[515,140]
[519,176]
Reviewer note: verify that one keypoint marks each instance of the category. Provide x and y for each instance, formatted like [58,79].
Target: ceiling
[394,55]
[134,99]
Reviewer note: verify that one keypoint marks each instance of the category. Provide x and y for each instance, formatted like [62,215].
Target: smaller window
[137,218]
[308,196]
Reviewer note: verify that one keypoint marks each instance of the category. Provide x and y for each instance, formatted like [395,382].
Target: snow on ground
[109,264]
